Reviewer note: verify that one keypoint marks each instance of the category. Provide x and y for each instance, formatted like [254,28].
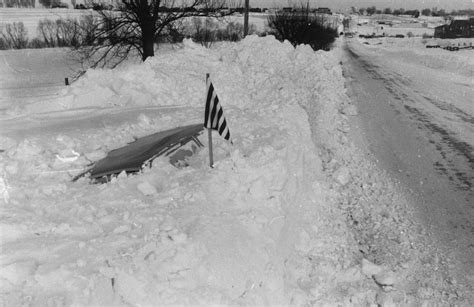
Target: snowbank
[261,228]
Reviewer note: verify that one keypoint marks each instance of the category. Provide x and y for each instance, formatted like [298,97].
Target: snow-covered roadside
[262,227]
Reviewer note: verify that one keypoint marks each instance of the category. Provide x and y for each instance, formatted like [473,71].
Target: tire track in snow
[463,179]
[444,106]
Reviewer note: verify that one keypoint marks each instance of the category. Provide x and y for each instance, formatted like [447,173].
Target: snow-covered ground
[390,25]
[413,50]
[292,213]
[262,227]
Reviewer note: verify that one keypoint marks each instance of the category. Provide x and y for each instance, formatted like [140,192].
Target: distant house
[440,31]
[323,10]
[456,28]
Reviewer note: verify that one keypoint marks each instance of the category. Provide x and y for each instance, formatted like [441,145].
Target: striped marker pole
[209,132]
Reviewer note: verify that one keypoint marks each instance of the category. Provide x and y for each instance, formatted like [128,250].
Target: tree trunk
[148,43]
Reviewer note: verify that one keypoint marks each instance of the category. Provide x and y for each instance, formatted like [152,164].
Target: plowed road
[417,123]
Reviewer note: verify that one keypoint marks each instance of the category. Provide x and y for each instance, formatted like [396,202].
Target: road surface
[417,123]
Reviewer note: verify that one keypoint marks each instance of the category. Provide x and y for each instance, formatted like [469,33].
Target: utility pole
[246,18]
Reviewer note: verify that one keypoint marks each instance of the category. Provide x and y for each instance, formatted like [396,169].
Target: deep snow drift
[268,225]
[259,228]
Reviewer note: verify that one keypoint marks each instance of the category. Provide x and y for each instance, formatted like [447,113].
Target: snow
[392,25]
[237,233]
[414,50]
[268,225]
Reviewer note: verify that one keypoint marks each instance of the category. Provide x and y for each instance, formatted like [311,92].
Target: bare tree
[303,26]
[137,26]
[426,12]
[47,31]
[14,35]
[371,10]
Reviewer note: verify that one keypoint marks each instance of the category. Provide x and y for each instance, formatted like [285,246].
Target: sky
[340,4]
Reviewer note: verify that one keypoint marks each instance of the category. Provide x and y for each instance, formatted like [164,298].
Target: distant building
[323,10]
[456,28]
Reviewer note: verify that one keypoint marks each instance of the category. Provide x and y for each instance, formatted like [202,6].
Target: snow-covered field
[31,17]
[395,25]
[414,50]
[292,213]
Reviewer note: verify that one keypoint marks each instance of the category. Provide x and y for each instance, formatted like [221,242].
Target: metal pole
[246,18]
[211,158]
[209,131]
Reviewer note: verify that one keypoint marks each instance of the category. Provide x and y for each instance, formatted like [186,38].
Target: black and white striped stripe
[214,115]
